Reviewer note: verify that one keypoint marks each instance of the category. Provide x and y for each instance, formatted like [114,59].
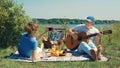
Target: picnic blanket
[70,56]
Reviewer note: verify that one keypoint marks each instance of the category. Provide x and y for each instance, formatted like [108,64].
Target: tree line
[70,21]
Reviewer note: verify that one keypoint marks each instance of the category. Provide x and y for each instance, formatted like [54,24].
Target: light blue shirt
[82,28]
[27,45]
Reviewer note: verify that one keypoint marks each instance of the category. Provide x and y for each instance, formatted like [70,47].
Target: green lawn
[111,48]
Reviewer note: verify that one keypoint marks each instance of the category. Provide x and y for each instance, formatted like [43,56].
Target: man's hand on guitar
[75,36]
[100,47]
[100,35]
[98,38]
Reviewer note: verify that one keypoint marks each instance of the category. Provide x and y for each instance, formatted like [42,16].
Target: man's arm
[71,31]
[98,39]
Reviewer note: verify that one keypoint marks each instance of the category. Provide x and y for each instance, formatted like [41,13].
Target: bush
[12,20]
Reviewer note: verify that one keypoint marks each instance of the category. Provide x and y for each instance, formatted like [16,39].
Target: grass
[111,48]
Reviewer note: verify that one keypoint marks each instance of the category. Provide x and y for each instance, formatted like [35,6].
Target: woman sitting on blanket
[28,46]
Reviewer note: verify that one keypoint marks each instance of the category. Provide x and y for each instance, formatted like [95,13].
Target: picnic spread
[55,54]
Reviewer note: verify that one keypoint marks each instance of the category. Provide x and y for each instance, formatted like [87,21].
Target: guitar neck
[72,43]
[86,37]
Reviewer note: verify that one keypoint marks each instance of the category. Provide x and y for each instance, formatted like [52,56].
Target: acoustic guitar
[72,44]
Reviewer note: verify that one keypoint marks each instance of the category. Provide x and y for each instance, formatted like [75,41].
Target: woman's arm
[39,36]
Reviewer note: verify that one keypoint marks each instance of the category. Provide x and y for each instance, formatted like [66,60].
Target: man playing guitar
[88,45]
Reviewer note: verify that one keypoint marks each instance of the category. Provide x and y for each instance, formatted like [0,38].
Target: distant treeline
[71,21]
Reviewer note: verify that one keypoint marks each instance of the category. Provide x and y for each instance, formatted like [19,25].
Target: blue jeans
[85,48]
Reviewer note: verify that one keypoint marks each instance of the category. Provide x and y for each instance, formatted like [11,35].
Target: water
[96,25]
[72,25]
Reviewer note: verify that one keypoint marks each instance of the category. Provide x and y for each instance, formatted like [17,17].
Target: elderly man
[88,45]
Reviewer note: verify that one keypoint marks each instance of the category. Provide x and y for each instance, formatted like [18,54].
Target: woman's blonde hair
[30,27]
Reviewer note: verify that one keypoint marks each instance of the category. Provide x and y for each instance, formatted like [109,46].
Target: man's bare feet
[93,54]
[99,52]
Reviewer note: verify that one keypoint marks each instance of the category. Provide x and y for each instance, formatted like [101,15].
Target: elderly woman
[28,45]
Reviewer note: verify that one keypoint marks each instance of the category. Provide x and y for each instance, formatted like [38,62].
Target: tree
[12,20]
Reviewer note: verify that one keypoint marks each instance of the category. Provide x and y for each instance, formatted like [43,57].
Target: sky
[73,9]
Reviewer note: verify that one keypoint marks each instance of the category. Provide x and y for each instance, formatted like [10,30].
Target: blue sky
[74,9]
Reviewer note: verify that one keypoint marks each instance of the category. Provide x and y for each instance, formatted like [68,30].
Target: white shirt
[82,28]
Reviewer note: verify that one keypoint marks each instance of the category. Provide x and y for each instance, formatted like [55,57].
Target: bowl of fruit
[55,51]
